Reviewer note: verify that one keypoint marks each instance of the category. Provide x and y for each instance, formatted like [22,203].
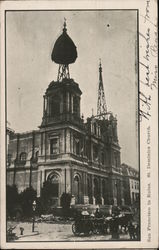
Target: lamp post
[34,208]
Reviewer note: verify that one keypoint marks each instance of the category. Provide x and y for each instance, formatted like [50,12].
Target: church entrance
[54,180]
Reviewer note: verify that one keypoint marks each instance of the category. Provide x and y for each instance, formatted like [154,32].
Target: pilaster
[92,184]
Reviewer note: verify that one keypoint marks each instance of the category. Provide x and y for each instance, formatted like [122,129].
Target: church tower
[62,97]
[62,128]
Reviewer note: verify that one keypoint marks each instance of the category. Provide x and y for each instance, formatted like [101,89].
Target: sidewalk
[27,232]
[27,235]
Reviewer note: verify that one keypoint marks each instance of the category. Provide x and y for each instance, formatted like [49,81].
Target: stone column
[43,105]
[101,191]
[48,105]
[91,127]
[67,140]
[42,178]
[71,179]
[93,198]
[111,186]
[45,147]
[39,184]
[16,160]
[61,103]
[99,154]
[41,146]
[91,147]
[85,196]
[72,103]
[84,147]
[71,145]
[86,184]
[122,193]
[99,132]
[67,101]
[79,107]
[68,181]
[115,192]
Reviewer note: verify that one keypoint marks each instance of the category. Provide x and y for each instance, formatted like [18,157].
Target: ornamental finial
[64,25]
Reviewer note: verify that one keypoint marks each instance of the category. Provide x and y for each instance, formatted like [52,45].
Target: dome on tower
[64,50]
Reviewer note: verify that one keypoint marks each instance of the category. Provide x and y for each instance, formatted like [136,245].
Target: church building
[76,156]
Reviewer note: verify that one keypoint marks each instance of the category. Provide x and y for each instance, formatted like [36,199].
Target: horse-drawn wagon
[90,225]
[87,225]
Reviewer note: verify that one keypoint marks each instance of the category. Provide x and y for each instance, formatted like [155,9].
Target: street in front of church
[57,232]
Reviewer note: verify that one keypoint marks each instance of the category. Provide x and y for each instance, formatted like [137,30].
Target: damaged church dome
[64,51]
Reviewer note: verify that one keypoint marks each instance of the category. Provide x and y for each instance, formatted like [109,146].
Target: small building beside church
[131,184]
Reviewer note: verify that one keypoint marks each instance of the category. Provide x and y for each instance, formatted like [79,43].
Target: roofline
[128,166]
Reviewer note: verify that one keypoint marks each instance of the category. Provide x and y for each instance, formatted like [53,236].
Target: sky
[109,35]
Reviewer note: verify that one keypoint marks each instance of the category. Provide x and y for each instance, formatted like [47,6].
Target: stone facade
[81,158]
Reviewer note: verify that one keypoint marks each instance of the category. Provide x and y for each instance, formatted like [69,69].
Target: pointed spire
[100,66]
[100,72]
[101,103]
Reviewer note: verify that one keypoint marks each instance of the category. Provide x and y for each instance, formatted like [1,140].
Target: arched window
[76,178]
[23,157]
